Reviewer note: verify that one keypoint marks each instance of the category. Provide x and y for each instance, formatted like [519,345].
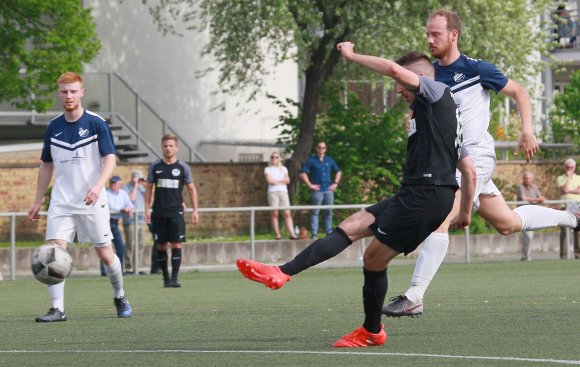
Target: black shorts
[168,229]
[405,220]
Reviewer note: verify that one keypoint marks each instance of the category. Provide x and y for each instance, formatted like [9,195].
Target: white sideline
[194,351]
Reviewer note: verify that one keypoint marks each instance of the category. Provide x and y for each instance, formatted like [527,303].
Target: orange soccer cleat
[271,276]
[361,338]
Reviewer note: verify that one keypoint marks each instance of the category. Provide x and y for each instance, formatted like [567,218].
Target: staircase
[137,129]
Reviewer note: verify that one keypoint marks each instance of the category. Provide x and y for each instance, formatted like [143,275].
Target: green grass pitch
[483,314]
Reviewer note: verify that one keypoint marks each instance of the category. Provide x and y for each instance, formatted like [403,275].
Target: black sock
[318,251]
[162,258]
[374,292]
[175,262]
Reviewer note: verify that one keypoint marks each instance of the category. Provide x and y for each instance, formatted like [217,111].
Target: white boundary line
[194,351]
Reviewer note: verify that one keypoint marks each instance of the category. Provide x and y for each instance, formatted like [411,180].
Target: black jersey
[169,180]
[434,136]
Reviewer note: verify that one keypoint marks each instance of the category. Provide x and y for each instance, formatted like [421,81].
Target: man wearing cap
[119,204]
[136,190]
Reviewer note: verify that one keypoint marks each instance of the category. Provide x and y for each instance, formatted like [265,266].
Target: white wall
[161,69]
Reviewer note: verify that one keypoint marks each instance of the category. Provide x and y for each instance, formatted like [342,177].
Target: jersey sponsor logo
[176,172]
[168,183]
[77,159]
[458,77]
[83,133]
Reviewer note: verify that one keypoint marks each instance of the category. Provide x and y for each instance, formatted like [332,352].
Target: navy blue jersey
[471,81]
[76,149]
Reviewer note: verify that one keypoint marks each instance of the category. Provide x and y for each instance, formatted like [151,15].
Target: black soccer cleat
[402,306]
[53,315]
[123,307]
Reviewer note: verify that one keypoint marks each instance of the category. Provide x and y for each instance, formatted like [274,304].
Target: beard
[70,106]
[440,50]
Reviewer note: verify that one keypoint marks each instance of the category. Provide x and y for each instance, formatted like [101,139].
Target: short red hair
[69,77]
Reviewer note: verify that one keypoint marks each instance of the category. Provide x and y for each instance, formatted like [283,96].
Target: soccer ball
[51,264]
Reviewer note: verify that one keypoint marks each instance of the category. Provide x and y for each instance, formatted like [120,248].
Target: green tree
[369,147]
[566,114]
[247,35]
[39,40]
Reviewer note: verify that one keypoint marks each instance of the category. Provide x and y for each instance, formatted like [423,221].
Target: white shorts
[278,198]
[89,228]
[484,163]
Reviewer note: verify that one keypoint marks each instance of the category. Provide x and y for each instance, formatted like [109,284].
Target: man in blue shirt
[321,185]
[120,204]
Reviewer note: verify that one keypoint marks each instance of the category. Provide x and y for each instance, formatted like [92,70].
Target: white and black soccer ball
[51,264]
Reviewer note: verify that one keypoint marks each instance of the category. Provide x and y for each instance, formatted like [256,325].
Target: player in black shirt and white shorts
[399,224]
[169,176]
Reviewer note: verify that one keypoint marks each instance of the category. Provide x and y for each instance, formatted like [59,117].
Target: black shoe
[53,315]
[174,284]
[401,306]
[166,283]
[124,309]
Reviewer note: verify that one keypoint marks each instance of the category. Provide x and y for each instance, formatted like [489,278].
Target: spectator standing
[528,191]
[321,186]
[135,188]
[278,179]
[569,185]
[169,176]
[121,205]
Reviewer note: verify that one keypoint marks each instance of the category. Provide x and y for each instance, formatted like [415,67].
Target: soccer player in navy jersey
[169,175]
[398,224]
[471,82]
[79,150]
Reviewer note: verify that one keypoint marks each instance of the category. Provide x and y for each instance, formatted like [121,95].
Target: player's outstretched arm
[527,142]
[380,65]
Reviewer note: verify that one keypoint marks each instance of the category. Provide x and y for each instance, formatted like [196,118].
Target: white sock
[428,262]
[115,275]
[535,217]
[56,292]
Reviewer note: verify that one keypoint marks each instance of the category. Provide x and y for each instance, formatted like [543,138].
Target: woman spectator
[277,179]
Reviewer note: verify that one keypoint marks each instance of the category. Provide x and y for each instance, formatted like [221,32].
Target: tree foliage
[566,114]
[369,147]
[40,39]
[245,36]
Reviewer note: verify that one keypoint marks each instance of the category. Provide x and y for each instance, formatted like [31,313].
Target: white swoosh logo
[158,171]
[379,230]
[57,134]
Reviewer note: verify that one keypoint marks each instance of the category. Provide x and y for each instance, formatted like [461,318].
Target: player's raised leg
[274,277]
[495,210]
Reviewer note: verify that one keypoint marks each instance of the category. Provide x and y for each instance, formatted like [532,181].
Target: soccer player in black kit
[400,223]
[169,175]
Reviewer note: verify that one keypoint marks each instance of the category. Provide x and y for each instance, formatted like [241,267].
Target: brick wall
[219,185]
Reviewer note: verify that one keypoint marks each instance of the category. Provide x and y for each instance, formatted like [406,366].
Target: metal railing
[252,210]
[110,96]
